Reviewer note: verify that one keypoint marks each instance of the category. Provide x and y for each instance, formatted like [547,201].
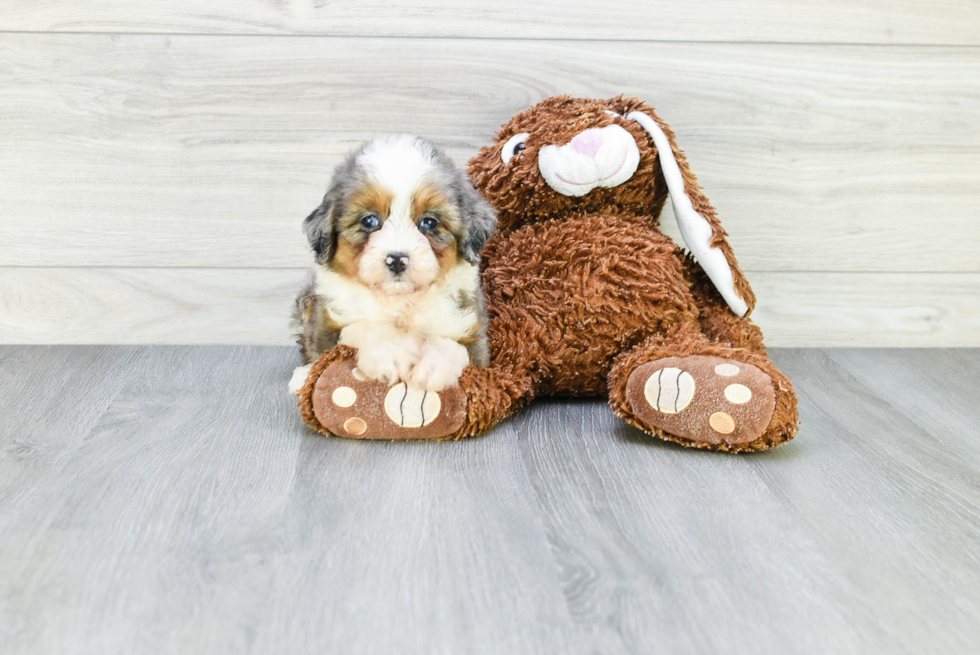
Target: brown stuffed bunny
[586,296]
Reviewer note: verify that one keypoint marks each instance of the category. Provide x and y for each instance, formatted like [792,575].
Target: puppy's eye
[371,222]
[428,223]
[513,146]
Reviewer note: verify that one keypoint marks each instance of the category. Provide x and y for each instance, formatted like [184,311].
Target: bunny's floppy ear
[700,227]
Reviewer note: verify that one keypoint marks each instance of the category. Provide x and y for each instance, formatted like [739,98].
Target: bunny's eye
[513,146]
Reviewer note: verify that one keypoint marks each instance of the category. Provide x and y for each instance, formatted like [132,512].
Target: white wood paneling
[923,310]
[146,305]
[831,21]
[251,306]
[208,151]
[157,158]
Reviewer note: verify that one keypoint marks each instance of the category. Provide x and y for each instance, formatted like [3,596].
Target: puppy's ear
[319,227]
[479,223]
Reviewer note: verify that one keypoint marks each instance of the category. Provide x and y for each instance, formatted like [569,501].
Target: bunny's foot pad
[703,398]
[348,404]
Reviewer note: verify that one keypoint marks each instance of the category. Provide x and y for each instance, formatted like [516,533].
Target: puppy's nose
[396,262]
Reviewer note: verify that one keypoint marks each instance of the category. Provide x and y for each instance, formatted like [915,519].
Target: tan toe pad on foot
[703,398]
[350,405]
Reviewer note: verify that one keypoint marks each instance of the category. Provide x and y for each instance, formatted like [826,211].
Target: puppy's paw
[300,374]
[440,366]
[391,361]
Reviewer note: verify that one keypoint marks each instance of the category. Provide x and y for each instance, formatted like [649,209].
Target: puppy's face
[398,217]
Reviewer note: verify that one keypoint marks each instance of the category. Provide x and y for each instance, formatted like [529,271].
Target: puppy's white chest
[418,315]
[434,312]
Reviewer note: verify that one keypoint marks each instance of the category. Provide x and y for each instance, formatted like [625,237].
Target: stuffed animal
[587,297]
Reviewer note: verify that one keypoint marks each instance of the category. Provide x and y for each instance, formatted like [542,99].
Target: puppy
[397,241]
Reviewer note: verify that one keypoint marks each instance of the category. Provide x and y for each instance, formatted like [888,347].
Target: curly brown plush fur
[583,292]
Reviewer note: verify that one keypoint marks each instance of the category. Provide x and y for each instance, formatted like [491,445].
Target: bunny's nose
[588,142]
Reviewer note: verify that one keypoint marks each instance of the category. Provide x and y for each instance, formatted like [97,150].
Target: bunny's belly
[564,297]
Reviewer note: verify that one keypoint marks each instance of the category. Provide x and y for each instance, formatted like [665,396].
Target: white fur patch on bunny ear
[694,228]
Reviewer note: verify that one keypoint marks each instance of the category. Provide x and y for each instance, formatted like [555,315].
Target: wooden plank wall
[157,158]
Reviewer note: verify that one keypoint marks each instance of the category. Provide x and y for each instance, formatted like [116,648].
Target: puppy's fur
[397,241]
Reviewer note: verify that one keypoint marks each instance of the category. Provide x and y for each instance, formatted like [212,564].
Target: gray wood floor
[169,500]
